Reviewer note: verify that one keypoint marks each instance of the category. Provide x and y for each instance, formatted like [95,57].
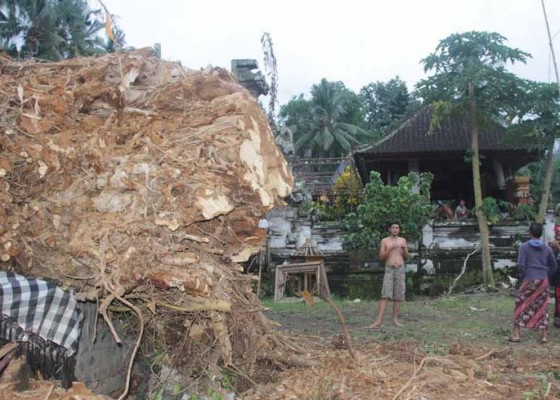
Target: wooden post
[261,262]
[263,257]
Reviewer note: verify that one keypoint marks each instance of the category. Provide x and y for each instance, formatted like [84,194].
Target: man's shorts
[394,283]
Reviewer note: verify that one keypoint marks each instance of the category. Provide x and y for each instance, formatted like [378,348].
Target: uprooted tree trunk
[139,183]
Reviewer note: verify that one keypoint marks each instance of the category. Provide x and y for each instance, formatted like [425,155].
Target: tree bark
[547,182]
[487,275]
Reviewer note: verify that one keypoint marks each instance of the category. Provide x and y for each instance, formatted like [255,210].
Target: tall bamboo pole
[551,46]
[548,175]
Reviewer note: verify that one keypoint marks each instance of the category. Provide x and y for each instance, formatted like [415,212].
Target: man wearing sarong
[394,251]
[536,264]
[555,281]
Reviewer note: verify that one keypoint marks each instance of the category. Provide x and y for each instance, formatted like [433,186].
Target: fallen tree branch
[416,370]
[233,368]
[290,360]
[279,341]
[212,236]
[344,330]
[136,347]
[463,269]
[215,305]
[103,310]
[490,353]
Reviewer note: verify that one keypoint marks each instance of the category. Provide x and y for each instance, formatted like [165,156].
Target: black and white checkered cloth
[41,308]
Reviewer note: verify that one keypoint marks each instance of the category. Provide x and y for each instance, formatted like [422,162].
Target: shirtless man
[394,251]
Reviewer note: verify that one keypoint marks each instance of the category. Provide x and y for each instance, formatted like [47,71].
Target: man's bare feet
[397,323]
[375,325]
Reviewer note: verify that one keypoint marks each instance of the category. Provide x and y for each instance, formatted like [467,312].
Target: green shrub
[408,203]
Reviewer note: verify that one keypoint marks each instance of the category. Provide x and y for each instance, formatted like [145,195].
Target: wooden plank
[324,288]
[277,295]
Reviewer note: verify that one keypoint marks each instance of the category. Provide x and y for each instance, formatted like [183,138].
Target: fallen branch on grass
[344,330]
[293,360]
[463,269]
[491,353]
[425,360]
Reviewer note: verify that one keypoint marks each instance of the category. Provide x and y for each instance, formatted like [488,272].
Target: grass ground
[434,322]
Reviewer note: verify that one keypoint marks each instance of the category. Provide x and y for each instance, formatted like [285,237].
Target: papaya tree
[538,124]
[470,80]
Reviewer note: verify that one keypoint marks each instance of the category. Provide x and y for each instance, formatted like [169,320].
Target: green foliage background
[384,204]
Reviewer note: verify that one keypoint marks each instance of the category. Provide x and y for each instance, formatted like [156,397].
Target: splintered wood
[398,370]
[174,164]
[128,177]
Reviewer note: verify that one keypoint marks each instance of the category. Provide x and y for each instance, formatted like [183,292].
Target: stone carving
[285,140]
[254,82]
[300,194]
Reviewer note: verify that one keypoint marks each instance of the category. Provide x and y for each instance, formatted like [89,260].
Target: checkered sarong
[41,308]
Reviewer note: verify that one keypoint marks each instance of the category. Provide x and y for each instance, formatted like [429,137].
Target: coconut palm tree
[48,29]
[79,25]
[328,133]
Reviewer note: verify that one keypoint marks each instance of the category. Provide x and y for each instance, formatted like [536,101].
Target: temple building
[444,152]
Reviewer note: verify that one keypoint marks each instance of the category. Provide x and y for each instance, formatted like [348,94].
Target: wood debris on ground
[18,384]
[402,370]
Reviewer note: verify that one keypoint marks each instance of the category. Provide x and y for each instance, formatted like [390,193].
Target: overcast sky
[353,41]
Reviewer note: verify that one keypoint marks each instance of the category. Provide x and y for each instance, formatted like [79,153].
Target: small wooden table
[315,269]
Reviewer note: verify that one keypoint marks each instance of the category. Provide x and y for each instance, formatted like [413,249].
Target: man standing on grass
[536,264]
[394,251]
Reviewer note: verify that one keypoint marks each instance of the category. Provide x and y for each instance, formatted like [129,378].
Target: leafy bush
[492,208]
[323,212]
[408,203]
[525,212]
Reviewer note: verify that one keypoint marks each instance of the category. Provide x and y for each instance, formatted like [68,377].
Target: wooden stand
[310,270]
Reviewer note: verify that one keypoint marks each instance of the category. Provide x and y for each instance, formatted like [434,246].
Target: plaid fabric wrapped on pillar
[45,318]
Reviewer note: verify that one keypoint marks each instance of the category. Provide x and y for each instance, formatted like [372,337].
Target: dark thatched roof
[414,136]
